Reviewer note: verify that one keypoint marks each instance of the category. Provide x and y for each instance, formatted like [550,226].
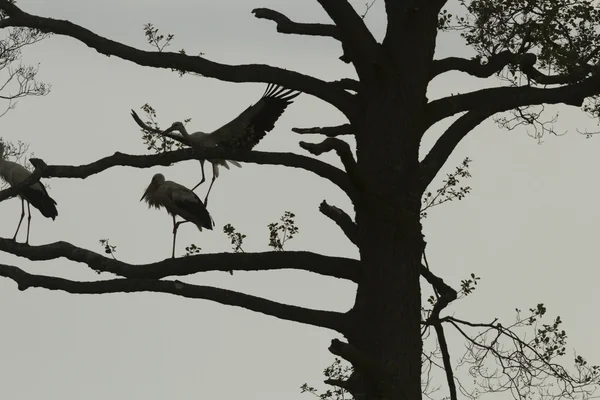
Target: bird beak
[145,193]
[168,130]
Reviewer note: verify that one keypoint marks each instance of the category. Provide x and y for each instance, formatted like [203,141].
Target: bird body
[35,194]
[243,132]
[177,201]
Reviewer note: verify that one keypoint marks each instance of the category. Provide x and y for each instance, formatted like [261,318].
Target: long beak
[145,193]
[167,131]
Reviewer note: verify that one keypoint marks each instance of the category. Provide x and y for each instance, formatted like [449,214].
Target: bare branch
[496,63]
[359,44]
[286,25]
[343,151]
[232,73]
[326,319]
[500,99]
[338,267]
[330,131]
[439,330]
[445,145]
[322,169]
[342,219]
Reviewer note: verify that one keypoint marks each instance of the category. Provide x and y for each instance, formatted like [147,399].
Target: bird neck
[185,133]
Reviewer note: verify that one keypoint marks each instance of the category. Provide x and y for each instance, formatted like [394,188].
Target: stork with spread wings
[243,132]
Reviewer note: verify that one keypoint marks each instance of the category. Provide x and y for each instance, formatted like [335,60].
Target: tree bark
[387,312]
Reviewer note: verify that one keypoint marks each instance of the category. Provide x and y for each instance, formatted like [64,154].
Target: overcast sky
[529,228]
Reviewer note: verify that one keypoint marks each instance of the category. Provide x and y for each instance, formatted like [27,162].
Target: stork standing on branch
[177,200]
[243,132]
[35,194]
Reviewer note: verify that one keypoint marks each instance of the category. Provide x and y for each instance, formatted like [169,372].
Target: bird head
[177,126]
[157,180]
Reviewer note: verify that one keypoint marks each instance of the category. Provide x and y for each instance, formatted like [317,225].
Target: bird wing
[36,194]
[187,204]
[248,128]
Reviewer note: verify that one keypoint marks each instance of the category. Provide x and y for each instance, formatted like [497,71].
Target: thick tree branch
[286,25]
[326,319]
[342,219]
[335,175]
[474,66]
[330,131]
[232,73]
[445,145]
[338,267]
[348,84]
[359,44]
[500,99]
[498,62]
[343,151]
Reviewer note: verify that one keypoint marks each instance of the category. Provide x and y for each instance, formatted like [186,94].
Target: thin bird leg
[28,222]
[203,177]
[21,220]
[175,226]
[214,177]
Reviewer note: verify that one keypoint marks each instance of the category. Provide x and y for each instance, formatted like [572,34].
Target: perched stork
[243,132]
[36,194]
[177,200]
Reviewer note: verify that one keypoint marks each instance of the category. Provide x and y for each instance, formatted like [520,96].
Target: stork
[177,200]
[35,194]
[243,132]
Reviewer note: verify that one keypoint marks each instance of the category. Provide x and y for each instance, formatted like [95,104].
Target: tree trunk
[387,312]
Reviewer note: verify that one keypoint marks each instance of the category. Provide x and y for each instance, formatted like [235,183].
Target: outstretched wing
[248,128]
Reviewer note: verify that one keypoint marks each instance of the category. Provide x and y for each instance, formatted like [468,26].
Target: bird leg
[203,176]
[28,222]
[21,220]
[214,177]
[175,227]
[207,193]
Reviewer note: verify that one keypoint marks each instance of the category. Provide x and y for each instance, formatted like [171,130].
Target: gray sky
[528,229]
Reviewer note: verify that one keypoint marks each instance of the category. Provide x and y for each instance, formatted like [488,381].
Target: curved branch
[231,73]
[446,291]
[343,151]
[445,145]
[342,219]
[331,131]
[338,267]
[326,319]
[500,99]
[324,170]
[474,67]
[498,62]
[286,25]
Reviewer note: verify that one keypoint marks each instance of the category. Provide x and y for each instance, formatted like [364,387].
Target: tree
[388,114]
